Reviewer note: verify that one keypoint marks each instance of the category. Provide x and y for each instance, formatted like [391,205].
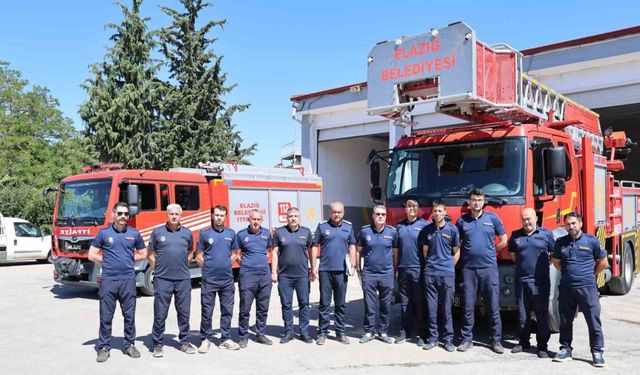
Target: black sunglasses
[122,213]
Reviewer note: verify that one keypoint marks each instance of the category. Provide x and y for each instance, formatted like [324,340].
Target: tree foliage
[133,116]
[38,147]
[122,112]
[198,120]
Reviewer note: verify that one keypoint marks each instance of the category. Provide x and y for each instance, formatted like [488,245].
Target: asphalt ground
[46,328]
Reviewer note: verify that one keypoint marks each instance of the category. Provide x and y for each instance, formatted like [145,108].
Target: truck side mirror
[556,165]
[376,194]
[132,199]
[374,174]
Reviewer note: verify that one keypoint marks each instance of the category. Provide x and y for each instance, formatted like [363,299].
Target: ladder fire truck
[522,143]
[84,201]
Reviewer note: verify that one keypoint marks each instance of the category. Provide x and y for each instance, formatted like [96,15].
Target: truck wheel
[621,285]
[147,287]
[554,310]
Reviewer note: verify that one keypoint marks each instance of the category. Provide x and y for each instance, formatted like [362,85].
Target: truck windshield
[83,202]
[452,170]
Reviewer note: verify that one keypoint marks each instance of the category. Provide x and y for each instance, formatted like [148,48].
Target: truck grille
[74,244]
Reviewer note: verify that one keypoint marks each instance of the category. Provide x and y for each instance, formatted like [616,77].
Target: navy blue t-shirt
[440,243]
[117,251]
[532,253]
[171,248]
[409,251]
[254,248]
[334,241]
[216,247]
[293,251]
[578,259]
[377,249]
[478,239]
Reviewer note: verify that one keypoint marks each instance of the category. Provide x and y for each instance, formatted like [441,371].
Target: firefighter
[377,244]
[290,269]
[216,252]
[255,243]
[170,252]
[337,241]
[117,247]
[409,273]
[580,257]
[531,247]
[478,229]
[440,242]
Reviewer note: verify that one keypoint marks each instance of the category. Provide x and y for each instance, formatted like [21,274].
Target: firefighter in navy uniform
[580,257]
[478,229]
[440,242]
[531,247]
[216,252]
[333,243]
[117,247]
[170,251]
[410,263]
[377,245]
[290,269]
[255,243]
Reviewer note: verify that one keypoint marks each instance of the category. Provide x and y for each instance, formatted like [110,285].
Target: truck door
[547,207]
[149,215]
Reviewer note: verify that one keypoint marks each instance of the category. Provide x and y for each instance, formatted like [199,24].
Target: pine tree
[122,113]
[196,118]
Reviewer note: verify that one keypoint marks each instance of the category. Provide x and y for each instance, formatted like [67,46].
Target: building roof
[527,52]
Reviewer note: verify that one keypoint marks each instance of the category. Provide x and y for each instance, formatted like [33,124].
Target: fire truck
[522,143]
[84,202]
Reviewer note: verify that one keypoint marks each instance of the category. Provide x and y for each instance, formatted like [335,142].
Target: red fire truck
[84,201]
[522,143]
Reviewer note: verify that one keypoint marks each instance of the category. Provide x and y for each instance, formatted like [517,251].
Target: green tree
[38,147]
[122,113]
[197,122]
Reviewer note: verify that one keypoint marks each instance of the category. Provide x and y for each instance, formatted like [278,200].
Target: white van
[21,240]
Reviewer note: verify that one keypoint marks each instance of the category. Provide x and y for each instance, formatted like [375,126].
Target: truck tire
[554,311]
[147,287]
[622,284]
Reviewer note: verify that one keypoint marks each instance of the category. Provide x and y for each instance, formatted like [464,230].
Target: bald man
[530,249]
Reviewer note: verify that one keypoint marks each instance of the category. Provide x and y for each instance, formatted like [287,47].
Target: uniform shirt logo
[446,235]
[301,237]
[584,248]
[489,224]
[246,239]
[226,238]
[163,238]
[283,240]
[110,239]
[368,238]
[264,237]
[210,241]
[327,232]
[429,237]
[388,237]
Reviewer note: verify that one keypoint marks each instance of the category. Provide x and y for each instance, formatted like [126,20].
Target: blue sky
[275,49]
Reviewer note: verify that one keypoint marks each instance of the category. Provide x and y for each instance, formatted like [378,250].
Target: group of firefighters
[423,255]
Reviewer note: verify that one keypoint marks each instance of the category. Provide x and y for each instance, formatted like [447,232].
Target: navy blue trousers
[254,286]
[124,292]
[438,292]
[225,289]
[378,291]
[286,286]
[164,290]
[332,283]
[588,299]
[532,297]
[485,281]
[412,302]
